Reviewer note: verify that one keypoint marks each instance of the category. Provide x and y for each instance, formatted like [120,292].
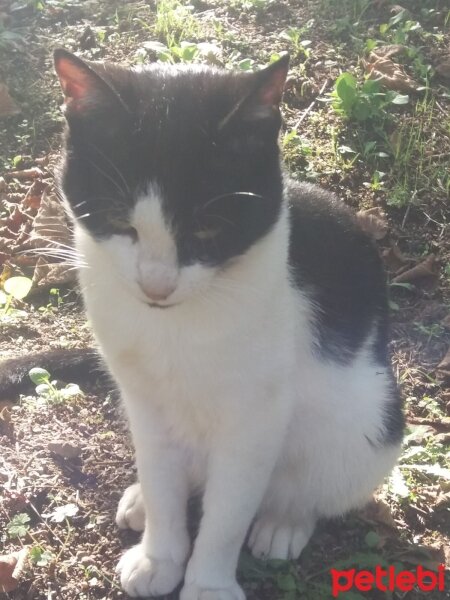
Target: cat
[243,316]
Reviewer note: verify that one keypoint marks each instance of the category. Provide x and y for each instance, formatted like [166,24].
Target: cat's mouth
[156,305]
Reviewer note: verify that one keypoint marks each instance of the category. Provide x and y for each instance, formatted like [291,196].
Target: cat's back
[338,267]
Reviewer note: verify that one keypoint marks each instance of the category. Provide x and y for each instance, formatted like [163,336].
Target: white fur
[224,394]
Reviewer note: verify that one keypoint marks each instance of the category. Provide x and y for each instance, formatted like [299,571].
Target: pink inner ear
[74,81]
[271,93]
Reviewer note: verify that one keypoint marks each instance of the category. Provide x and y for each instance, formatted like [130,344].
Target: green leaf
[18,526]
[17,287]
[61,513]
[400,99]
[39,376]
[372,539]
[40,557]
[346,90]
[286,582]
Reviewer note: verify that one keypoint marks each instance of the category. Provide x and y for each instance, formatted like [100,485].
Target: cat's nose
[158,293]
[158,282]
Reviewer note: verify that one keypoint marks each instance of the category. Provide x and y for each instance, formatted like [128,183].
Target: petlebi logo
[387,579]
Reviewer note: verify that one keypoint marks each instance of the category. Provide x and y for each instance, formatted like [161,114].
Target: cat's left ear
[265,94]
[84,89]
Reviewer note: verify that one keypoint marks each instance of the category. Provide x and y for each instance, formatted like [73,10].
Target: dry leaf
[11,567]
[53,274]
[443,367]
[427,556]
[389,73]
[25,174]
[443,67]
[8,107]
[373,221]
[64,449]
[3,185]
[378,511]
[394,259]
[389,50]
[446,322]
[427,269]
[50,224]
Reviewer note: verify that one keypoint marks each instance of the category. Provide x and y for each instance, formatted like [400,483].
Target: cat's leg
[239,468]
[156,565]
[131,511]
[286,517]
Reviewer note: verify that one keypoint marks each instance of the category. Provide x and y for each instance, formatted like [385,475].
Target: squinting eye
[123,228]
[207,234]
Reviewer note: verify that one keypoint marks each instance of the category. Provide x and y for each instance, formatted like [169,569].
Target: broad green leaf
[39,376]
[372,539]
[400,99]
[18,287]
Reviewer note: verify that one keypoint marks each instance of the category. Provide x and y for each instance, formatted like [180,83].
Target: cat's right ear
[84,89]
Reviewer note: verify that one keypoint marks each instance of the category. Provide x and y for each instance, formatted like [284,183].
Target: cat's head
[174,170]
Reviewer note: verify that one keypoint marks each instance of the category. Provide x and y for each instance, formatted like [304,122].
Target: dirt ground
[64,460]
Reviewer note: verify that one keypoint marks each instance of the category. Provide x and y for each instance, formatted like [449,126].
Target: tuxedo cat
[242,315]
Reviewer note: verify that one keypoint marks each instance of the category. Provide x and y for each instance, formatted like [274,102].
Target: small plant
[184,52]
[40,557]
[13,288]
[174,22]
[18,526]
[48,390]
[363,102]
[299,47]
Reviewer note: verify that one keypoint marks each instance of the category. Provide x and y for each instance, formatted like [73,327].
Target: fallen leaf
[373,221]
[11,567]
[8,107]
[52,274]
[64,449]
[443,67]
[394,259]
[427,269]
[443,367]
[427,556]
[389,50]
[446,322]
[3,185]
[378,511]
[24,174]
[390,74]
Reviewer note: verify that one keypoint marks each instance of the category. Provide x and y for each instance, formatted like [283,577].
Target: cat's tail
[71,365]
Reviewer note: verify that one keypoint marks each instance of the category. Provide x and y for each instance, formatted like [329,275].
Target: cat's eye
[207,234]
[123,228]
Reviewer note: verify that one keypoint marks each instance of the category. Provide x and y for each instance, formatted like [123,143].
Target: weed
[18,526]
[363,102]
[175,22]
[298,47]
[40,557]
[47,389]
[257,6]
[13,288]
[295,148]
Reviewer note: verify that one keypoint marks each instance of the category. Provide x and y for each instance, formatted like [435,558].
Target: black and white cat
[243,316]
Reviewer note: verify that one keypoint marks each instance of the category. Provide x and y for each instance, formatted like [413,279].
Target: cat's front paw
[274,540]
[131,512]
[192,591]
[144,576]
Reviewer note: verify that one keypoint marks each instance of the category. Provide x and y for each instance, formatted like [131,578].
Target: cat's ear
[84,89]
[264,97]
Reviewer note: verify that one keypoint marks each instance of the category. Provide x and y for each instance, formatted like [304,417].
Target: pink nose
[158,291]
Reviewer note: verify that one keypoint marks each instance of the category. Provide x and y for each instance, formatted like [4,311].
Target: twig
[308,110]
